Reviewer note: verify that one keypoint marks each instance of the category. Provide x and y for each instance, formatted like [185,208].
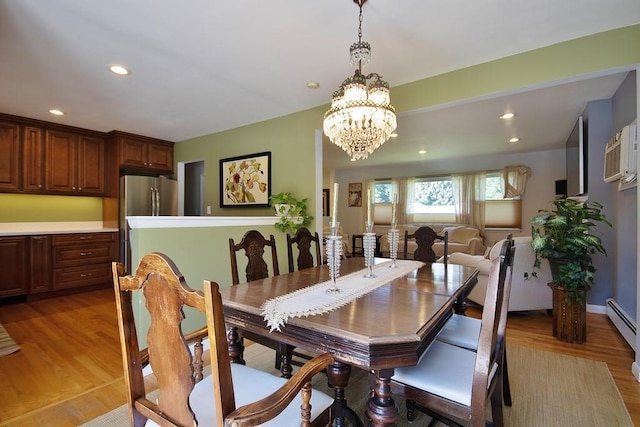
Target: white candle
[393,209]
[335,205]
[368,206]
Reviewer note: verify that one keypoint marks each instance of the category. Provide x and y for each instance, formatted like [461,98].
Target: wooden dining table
[389,327]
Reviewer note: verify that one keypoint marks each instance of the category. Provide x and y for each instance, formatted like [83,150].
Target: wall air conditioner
[620,155]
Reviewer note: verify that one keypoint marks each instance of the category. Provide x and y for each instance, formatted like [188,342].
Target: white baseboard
[598,309]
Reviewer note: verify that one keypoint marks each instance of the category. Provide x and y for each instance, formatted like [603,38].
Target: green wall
[36,208]
[201,253]
[291,138]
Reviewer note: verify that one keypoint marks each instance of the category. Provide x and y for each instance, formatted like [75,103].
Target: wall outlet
[208,210]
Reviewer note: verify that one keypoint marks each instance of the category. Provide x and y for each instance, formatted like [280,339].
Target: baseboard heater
[625,324]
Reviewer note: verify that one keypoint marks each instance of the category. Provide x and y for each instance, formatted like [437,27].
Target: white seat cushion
[251,385]
[461,331]
[444,370]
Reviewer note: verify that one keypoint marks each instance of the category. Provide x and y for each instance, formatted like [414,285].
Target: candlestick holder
[334,254]
[394,238]
[369,246]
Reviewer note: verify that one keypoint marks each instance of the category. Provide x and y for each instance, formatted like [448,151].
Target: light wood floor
[69,369]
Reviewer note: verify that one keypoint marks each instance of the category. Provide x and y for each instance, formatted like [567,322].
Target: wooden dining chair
[464,331]
[303,239]
[425,237]
[232,395]
[453,384]
[253,245]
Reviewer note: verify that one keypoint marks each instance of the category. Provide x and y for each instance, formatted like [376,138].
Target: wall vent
[620,155]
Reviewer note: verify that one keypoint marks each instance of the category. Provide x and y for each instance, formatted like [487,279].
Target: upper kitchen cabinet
[33,159]
[10,158]
[74,163]
[143,154]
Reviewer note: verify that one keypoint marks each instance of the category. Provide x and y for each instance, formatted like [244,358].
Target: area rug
[548,389]
[7,345]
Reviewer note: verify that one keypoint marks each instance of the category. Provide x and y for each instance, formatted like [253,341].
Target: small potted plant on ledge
[292,212]
[564,237]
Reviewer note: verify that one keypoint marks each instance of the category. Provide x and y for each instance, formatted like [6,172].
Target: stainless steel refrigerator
[144,196]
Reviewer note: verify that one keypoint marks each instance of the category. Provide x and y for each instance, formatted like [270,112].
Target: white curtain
[469,198]
[404,189]
[514,180]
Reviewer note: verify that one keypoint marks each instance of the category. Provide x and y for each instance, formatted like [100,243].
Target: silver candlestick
[334,254]
[369,246]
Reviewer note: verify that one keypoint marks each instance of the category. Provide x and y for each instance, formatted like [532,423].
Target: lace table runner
[316,300]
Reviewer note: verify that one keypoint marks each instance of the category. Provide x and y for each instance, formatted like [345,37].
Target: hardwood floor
[69,368]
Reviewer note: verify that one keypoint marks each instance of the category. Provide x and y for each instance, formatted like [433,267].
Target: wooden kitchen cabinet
[74,163]
[40,266]
[33,159]
[83,259]
[13,264]
[143,154]
[10,157]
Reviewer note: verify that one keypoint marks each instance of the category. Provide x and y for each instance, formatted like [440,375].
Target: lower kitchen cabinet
[13,264]
[37,265]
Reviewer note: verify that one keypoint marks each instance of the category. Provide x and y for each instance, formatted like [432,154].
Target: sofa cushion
[462,234]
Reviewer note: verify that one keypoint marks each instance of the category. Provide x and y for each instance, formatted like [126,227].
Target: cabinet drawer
[94,253]
[73,277]
[73,239]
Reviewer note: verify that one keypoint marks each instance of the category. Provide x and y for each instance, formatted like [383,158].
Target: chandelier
[361,118]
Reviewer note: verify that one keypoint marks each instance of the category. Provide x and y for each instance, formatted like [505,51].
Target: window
[500,212]
[382,200]
[431,200]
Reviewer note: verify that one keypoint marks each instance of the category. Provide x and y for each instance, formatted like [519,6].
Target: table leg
[381,409]
[338,375]
[236,348]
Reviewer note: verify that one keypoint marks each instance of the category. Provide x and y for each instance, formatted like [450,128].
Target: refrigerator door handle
[152,195]
[156,204]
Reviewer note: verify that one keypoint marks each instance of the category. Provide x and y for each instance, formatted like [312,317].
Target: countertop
[33,228]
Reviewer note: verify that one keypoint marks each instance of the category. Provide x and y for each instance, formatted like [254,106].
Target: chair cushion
[444,370]
[251,385]
[461,331]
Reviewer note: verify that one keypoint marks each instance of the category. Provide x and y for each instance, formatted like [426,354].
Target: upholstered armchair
[526,294]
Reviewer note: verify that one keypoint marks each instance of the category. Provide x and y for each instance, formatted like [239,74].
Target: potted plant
[565,238]
[292,212]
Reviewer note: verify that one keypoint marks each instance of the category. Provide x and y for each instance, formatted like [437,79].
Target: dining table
[388,327]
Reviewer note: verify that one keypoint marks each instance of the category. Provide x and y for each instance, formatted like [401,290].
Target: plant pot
[569,318]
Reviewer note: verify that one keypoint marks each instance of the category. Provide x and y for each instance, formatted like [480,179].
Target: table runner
[316,300]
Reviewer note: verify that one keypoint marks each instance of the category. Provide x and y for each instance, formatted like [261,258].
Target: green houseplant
[292,212]
[564,237]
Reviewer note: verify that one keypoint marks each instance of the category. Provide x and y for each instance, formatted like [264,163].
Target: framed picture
[355,194]
[325,202]
[245,181]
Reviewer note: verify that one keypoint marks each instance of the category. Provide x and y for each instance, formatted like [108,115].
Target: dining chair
[425,237]
[453,384]
[303,239]
[253,244]
[464,331]
[231,394]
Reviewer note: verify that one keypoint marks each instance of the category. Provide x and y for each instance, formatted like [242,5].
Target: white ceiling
[203,66]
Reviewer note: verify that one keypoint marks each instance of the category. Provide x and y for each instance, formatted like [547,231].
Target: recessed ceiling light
[507,116]
[422,152]
[56,112]
[313,85]
[119,70]
[514,140]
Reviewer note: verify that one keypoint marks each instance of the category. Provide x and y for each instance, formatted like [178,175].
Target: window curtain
[514,180]
[403,187]
[469,198]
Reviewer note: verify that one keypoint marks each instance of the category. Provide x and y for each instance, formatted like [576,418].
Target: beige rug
[548,390]
[7,345]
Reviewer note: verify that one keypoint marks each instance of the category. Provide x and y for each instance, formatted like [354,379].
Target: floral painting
[245,180]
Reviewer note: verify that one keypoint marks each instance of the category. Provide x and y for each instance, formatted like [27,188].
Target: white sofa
[462,238]
[526,294]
